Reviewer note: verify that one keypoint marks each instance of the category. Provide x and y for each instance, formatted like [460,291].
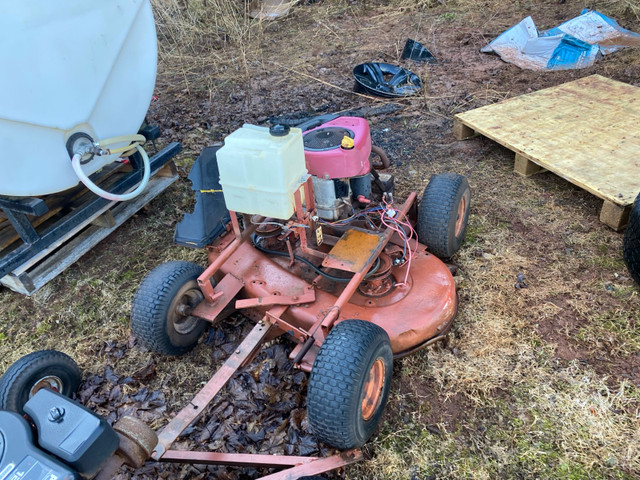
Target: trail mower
[331,259]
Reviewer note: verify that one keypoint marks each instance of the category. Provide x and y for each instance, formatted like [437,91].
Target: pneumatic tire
[631,242]
[35,371]
[443,214]
[160,308]
[349,384]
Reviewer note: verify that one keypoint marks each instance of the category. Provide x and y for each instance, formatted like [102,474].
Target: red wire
[404,235]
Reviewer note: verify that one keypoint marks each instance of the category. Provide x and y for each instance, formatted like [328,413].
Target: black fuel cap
[279,130]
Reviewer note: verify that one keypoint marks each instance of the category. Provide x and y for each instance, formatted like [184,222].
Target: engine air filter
[323,155]
[326,138]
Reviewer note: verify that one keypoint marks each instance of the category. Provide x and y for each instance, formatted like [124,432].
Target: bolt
[238,351]
[56,414]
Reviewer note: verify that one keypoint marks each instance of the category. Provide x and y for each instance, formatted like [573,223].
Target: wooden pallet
[585,131]
[50,262]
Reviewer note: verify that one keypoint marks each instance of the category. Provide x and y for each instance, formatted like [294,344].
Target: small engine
[259,169]
[72,441]
[337,157]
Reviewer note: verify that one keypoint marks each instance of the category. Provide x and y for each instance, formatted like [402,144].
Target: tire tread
[147,312]
[335,372]
[435,210]
[26,366]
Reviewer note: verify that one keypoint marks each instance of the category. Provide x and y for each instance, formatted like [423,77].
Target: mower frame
[219,289]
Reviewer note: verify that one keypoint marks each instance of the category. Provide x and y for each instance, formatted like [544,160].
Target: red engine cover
[326,158]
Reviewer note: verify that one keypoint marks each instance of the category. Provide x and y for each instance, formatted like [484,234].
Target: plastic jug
[68,67]
[260,172]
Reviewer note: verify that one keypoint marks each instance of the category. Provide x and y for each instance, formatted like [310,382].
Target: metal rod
[299,466]
[234,459]
[316,467]
[188,414]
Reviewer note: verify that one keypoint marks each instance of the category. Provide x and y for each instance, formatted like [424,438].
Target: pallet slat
[584,131]
[47,264]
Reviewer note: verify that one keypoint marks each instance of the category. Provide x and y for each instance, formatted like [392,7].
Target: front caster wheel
[349,384]
[161,308]
[35,371]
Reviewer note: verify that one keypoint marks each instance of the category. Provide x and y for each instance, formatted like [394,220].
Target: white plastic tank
[69,66]
[260,172]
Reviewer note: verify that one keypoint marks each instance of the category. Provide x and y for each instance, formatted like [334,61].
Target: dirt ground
[541,377]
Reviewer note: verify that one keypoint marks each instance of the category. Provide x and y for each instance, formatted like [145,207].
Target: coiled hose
[123,151]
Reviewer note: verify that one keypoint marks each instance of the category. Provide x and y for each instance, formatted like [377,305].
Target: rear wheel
[161,308]
[35,371]
[631,242]
[443,214]
[349,384]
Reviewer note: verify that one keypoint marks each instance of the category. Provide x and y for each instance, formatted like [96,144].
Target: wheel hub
[373,389]
[50,381]
[185,301]
[462,210]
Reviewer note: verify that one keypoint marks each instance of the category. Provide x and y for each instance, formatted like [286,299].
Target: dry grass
[196,37]
[621,8]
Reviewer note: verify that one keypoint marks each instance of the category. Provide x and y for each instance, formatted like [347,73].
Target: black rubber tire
[631,242]
[41,369]
[153,309]
[440,227]
[337,383]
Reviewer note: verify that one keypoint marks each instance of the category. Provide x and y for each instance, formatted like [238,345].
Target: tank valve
[81,144]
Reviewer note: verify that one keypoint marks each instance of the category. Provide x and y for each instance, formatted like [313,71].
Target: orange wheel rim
[373,389]
[462,210]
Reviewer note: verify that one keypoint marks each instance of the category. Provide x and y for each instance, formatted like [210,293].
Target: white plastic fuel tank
[69,66]
[260,172]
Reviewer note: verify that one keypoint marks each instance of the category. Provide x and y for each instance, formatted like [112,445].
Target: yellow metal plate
[353,251]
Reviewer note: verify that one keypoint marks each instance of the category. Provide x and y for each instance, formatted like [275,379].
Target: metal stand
[38,244]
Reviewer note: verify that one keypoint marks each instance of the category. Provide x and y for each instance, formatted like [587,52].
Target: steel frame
[218,296]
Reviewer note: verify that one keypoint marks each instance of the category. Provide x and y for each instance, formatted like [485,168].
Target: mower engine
[72,442]
[337,157]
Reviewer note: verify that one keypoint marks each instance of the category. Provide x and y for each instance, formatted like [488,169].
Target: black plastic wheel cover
[386,80]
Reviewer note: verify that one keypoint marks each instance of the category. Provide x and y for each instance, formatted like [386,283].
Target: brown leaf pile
[261,410]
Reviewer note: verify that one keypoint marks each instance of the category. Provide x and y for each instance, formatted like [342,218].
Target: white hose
[75,163]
